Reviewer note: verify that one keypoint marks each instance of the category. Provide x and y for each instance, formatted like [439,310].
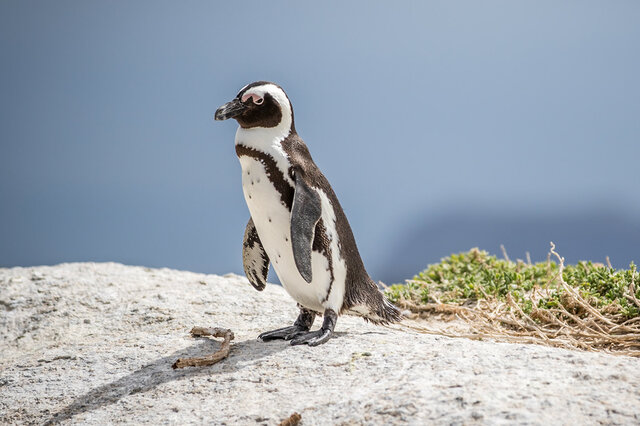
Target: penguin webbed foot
[318,337]
[285,333]
[312,338]
[301,326]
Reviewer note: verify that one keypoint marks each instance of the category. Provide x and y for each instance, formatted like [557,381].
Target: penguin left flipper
[305,213]
[254,258]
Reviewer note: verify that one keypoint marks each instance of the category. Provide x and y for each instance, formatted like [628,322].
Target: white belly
[272,221]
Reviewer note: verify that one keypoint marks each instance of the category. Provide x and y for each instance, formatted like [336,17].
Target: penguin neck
[268,141]
[261,138]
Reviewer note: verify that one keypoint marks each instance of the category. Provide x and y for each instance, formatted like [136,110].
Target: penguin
[296,222]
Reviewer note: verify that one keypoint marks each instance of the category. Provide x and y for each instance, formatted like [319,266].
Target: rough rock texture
[94,343]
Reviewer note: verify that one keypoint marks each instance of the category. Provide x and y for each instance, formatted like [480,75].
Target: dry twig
[504,253]
[217,356]
[292,420]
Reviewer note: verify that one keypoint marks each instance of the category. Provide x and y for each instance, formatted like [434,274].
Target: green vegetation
[579,304]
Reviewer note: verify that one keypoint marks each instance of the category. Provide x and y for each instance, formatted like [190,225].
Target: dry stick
[609,262]
[292,420]
[564,331]
[504,253]
[515,306]
[628,322]
[586,306]
[217,356]
[564,325]
[627,340]
[581,322]
[574,293]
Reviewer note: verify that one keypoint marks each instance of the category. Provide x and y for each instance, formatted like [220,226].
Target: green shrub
[463,278]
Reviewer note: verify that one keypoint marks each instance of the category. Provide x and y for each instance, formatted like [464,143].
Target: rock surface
[94,343]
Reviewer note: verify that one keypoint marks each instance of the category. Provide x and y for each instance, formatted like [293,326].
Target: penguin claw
[312,338]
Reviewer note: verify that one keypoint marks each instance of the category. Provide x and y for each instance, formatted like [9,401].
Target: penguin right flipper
[254,258]
[305,214]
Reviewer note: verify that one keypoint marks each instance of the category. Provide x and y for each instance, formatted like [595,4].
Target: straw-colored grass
[586,306]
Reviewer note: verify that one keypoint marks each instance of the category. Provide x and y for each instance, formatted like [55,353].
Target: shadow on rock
[159,371]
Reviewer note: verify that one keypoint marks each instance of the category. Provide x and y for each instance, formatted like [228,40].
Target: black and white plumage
[296,221]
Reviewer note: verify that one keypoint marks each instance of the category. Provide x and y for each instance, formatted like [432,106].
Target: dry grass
[577,319]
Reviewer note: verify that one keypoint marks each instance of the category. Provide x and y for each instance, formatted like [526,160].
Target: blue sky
[415,111]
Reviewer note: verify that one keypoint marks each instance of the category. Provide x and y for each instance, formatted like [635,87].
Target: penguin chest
[271,218]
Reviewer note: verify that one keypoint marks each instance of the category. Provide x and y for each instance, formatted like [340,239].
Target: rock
[94,343]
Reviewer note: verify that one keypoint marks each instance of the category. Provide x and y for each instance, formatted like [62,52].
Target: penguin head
[260,104]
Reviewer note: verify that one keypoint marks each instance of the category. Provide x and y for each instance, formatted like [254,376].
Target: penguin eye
[257,99]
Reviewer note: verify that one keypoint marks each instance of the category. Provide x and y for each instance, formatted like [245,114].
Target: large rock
[94,343]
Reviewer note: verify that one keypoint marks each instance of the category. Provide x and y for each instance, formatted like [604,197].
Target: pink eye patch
[255,98]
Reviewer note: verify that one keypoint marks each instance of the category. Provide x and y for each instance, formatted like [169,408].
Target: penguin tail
[386,313]
[374,307]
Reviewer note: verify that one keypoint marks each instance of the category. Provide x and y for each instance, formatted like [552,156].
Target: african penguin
[296,221]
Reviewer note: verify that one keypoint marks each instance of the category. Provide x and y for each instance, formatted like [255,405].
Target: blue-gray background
[441,125]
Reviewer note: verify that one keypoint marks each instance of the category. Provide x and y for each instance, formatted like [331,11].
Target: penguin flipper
[254,257]
[305,214]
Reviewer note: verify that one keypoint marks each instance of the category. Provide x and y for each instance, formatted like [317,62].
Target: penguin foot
[318,337]
[312,338]
[286,333]
[301,326]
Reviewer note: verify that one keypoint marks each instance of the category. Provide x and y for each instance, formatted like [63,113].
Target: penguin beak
[230,110]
